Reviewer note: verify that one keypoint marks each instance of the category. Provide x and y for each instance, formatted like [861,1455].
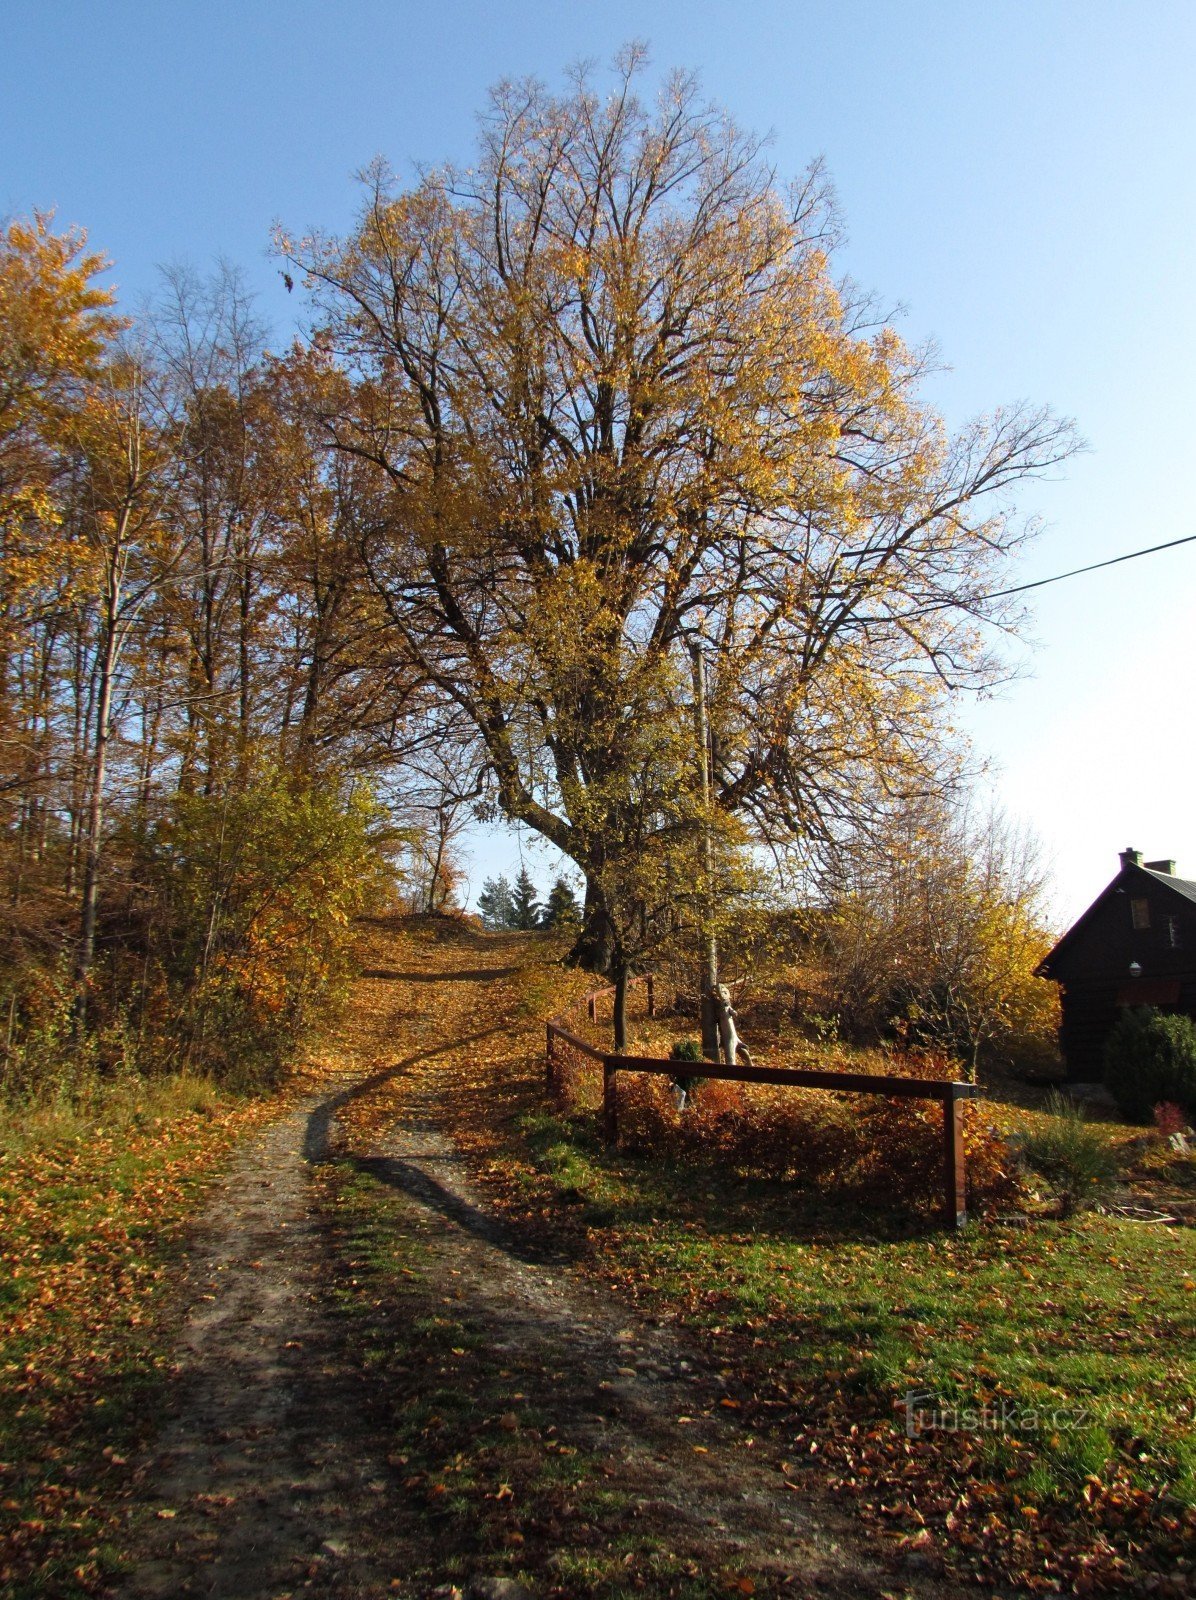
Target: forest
[591,501]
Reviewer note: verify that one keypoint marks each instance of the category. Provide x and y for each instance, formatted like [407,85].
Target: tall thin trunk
[621,976]
[437,863]
[245,697]
[709,974]
[99,772]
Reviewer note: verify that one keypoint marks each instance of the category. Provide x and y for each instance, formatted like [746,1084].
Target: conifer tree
[496,904]
[561,909]
[525,907]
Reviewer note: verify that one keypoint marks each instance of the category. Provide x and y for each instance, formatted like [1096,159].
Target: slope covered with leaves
[92,1214]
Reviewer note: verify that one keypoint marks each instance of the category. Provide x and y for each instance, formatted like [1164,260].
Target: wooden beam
[951,1093]
[800,1078]
[955,1163]
[577,1043]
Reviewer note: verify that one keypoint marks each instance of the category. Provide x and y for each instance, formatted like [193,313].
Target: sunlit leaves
[624,404]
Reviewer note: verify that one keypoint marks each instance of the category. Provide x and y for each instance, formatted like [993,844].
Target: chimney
[1131,858]
[1167,867]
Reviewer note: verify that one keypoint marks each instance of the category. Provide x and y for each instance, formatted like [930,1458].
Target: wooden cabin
[1134,946]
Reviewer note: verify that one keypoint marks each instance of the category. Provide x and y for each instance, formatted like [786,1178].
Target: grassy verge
[497,1454]
[1057,1362]
[92,1207]
[1073,1343]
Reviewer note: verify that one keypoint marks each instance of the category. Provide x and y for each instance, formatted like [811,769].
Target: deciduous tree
[933,926]
[622,404]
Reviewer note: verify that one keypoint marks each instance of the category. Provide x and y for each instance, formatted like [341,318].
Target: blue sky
[1019,177]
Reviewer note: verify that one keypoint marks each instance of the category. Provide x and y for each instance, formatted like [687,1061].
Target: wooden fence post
[950,1095]
[610,1103]
[955,1167]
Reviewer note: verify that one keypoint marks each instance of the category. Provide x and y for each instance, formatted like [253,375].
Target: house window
[1140,913]
[1173,933]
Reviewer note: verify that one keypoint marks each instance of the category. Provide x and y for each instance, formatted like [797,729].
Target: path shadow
[473,975]
[413,1180]
[319,1123]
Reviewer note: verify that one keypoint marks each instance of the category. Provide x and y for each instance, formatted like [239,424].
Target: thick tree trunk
[594,948]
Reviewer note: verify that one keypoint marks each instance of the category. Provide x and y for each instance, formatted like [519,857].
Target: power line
[1132,555]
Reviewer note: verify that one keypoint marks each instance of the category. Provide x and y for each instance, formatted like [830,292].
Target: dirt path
[275,1473]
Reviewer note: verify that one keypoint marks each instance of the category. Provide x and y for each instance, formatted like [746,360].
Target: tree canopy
[620,404]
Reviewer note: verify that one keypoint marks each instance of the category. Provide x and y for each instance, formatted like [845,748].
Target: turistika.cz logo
[928,1413]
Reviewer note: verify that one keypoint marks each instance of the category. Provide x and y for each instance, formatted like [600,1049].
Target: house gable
[1144,916]
[1134,946]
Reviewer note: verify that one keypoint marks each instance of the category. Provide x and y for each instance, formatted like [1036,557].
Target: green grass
[1074,1156]
[1094,1319]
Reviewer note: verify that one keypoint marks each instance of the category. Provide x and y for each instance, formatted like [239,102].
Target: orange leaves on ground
[89,1223]
[865,1146]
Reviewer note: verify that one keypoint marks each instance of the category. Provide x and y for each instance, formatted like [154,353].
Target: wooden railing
[648,982]
[562,1041]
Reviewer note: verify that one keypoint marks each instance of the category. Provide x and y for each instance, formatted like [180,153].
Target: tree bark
[594,948]
[708,983]
[621,976]
[95,810]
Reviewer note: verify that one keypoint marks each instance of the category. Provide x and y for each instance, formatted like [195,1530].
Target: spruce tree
[562,910]
[525,907]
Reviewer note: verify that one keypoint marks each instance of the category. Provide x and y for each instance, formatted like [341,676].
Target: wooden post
[955,1165]
[610,1104]
[650,985]
[592,1007]
[549,1064]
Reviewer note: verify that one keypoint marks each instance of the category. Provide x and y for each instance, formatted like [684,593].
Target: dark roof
[1184,887]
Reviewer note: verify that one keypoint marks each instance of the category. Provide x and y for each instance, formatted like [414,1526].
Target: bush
[686,1050]
[1151,1057]
[255,895]
[1075,1159]
[864,1148]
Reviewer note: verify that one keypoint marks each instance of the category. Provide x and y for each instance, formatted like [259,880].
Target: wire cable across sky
[1132,555]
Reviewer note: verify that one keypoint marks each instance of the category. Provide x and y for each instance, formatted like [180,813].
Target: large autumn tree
[622,407]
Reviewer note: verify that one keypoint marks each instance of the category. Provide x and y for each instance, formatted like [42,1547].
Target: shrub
[1169,1119]
[1074,1158]
[868,1149]
[1151,1057]
[45,1060]
[686,1050]
[255,894]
